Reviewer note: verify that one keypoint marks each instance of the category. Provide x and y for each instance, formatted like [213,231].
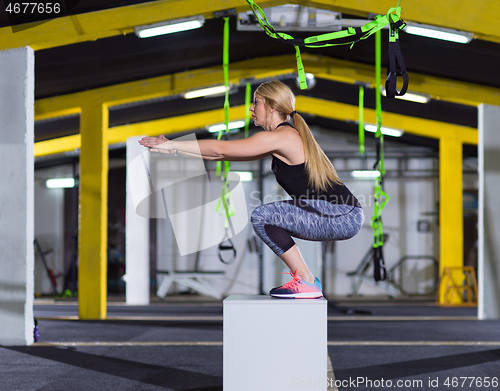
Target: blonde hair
[319,168]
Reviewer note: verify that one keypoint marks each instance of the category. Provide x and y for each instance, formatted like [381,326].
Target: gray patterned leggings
[275,223]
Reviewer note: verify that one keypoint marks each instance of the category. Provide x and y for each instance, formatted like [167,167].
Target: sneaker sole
[304,295]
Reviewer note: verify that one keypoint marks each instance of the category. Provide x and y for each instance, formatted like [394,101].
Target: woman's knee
[360,218]
[357,221]
[257,216]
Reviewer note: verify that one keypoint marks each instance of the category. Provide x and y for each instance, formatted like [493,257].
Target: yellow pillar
[93,235]
[451,253]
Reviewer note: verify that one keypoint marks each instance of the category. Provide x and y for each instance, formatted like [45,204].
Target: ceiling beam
[259,69]
[436,87]
[479,17]
[416,126]
[304,105]
[164,86]
[91,26]
[57,145]
[173,125]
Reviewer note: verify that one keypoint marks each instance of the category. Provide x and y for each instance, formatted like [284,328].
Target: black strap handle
[379,270]
[396,68]
[227,247]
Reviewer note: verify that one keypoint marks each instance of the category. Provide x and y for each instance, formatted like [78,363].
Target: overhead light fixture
[172,26]
[365,174]
[231,125]
[438,33]
[245,176]
[60,183]
[412,97]
[205,92]
[385,131]
[292,17]
[310,81]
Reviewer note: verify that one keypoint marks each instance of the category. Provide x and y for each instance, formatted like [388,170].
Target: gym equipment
[360,274]
[194,280]
[50,273]
[465,288]
[390,285]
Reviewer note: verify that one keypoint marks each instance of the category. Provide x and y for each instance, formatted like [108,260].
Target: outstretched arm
[255,147]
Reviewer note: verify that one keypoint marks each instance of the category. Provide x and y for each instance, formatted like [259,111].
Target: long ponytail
[320,170]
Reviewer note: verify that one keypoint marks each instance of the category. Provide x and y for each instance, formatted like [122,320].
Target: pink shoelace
[293,282]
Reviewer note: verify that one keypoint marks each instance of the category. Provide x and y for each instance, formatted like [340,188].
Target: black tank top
[294,180]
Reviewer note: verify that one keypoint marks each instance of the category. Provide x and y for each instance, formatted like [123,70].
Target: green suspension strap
[225,61]
[324,40]
[225,67]
[379,271]
[226,196]
[361,122]
[248,103]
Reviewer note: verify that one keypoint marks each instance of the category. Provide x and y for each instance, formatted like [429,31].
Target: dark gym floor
[176,344]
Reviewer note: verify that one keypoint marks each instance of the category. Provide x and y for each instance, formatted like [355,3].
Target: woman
[321,207]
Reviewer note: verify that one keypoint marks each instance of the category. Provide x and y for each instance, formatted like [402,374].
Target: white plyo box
[274,344]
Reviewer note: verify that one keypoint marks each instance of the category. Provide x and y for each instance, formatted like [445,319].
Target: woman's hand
[157,144]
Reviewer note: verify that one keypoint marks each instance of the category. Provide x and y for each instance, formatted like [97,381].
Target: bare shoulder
[279,137]
[288,131]
[291,147]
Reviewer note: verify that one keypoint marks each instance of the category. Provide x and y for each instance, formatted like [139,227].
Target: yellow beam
[120,134]
[451,232]
[49,112]
[168,85]
[57,145]
[438,88]
[260,69]
[111,22]
[479,17]
[417,126]
[313,106]
[318,107]
[182,123]
[93,232]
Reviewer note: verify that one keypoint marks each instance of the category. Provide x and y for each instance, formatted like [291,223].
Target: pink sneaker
[297,288]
